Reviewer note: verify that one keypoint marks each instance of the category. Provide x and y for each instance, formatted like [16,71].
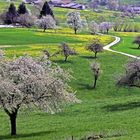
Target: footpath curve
[116,41]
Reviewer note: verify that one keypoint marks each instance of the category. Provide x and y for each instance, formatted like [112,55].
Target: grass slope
[126,44]
[107,109]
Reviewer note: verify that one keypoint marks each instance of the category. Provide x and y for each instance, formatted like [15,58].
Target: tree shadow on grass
[62,62]
[85,86]
[134,48]
[122,107]
[87,57]
[41,133]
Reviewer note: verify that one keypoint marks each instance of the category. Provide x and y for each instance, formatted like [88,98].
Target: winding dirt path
[116,41]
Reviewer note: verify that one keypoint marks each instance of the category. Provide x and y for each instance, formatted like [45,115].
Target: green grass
[107,109]
[126,44]
[22,41]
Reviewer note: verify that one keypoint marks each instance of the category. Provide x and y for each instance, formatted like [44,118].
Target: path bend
[116,41]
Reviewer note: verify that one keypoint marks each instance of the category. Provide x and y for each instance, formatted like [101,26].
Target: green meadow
[126,44]
[108,110]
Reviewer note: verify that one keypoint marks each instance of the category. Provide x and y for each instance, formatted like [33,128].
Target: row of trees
[46,20]
[117,25]
[22,16]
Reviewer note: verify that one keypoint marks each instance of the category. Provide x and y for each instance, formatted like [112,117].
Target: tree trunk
[75,31]
[13,123]
[66,58]
[95,55]
[95,81]
[107,31]
[44,30]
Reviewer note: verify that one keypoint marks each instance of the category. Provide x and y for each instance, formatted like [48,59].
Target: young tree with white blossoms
[93,27]
[32,82]
[46,22]
[74,21]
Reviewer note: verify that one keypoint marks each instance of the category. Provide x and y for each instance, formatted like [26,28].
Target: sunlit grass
[33,42]
[126,45]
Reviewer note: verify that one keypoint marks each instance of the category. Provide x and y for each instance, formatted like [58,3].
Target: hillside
[106,112]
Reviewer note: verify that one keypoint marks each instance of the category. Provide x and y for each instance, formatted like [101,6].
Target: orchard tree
[46,10]
[22,9]
[66,51]
[95,68]
[11,15]
[29,82]
[131,77]
[74,21]
[137,41]
[118,24]
[93,27]
[95,46]
[46,22]
[26,20]
[105,27]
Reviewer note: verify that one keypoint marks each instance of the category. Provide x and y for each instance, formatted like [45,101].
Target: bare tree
[66,51]
[74,21]
[46,22]
[131,77]
[95,46]
[95,68]
[137,41]
[33,82]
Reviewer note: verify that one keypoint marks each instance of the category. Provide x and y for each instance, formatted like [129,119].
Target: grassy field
[22,41]
[126,44]
[108,110]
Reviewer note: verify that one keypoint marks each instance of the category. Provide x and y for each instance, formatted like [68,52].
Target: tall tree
[22,9]
[32,82]
[46,10]
[11,14]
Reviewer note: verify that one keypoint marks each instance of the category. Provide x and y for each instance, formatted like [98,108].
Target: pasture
[107,110]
